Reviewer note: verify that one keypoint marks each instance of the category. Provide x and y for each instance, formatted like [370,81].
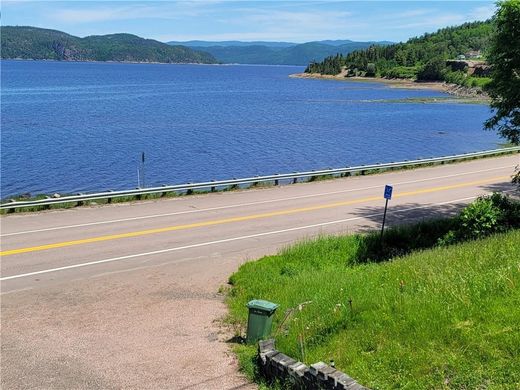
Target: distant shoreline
[107,62]
[440,86]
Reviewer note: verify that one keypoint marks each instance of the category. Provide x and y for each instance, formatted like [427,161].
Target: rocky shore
[458,91]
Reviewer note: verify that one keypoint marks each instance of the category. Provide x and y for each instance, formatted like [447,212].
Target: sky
[267,20]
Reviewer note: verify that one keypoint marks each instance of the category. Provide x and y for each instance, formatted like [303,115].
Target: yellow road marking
[239,219]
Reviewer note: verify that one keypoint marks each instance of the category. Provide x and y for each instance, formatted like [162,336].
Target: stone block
[324,372]
[297,369]
[314,368]
[265,346]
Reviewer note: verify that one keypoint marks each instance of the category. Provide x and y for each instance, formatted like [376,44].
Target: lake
[78,127]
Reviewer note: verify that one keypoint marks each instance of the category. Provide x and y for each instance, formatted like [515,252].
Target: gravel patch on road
[151,328]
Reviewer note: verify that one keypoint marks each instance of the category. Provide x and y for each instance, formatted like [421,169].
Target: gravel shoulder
[146,328]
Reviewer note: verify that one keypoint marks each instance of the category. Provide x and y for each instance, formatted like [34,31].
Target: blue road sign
[388,191]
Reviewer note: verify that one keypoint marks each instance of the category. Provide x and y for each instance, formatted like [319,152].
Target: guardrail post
[12,210]
[213,188]
[109,200]
[47,206]
[80,202]
[189,191]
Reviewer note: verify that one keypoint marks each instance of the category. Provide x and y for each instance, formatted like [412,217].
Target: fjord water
[71,127]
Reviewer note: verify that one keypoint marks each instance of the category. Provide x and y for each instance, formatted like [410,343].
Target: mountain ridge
[35,43]
[276,53]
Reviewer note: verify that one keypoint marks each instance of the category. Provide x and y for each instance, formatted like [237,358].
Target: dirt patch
[150,328]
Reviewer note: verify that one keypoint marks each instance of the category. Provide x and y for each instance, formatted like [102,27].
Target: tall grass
[446,317]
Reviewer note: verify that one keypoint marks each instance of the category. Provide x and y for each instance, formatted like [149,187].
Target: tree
[371,69]
[433,70]
[504,58]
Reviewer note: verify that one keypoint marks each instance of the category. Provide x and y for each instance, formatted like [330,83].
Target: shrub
[433,70]
[371,70]
[485,216]
[480,219]
[455,77]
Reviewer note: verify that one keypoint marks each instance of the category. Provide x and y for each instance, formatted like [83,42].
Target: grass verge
[445,317]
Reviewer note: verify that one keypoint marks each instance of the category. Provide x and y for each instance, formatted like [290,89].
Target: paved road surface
[125,296]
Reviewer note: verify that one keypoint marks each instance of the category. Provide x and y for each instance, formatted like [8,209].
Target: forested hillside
[43,44]
[423,57]
[276,53]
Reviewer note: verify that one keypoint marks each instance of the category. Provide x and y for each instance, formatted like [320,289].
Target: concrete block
[324,372]
[297,369]
[265,346]
[278,358]
[345,380]
[314,368]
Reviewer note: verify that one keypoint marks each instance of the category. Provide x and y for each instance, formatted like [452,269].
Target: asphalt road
[126,295]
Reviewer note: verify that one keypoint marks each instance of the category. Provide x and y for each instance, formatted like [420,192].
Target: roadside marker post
[388,196]
[142,162]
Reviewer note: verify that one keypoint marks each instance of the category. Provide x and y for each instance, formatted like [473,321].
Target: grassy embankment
[445,317]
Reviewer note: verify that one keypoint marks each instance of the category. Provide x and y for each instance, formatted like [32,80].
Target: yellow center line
[240,219]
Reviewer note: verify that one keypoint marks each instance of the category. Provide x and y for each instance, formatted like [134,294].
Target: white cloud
[483,13]
[155,10]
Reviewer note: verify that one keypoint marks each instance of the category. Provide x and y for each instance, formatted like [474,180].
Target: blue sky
[295,21]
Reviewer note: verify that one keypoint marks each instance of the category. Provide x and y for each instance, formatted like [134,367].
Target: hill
[421,58]
[276,53]
[26,42]
[231,43]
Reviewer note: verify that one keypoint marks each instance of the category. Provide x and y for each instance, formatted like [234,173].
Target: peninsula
[452,55]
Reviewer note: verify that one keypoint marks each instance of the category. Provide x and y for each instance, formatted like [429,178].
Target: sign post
[142,172]
[388,196]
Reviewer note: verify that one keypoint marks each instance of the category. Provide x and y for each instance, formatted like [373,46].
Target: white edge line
[113,259]
[243,204]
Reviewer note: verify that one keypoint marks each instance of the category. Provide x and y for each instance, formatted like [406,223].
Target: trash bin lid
[262,305]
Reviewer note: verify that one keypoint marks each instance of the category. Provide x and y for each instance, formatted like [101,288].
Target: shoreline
[110,61]
[439,86]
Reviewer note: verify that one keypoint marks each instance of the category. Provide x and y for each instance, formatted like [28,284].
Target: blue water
[75,127]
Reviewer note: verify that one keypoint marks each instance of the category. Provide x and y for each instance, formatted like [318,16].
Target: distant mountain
[231,43]
[276,53]
[26,42]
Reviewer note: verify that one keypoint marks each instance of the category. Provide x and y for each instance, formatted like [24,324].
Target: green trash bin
[260,319]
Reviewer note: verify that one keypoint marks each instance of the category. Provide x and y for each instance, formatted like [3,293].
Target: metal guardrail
[213,185]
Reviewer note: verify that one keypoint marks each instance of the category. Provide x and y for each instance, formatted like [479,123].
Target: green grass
[446,317]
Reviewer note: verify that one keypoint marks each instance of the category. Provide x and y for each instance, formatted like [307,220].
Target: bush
[485,216]
[433,70]
[480,219]
[455,78]
[371,70]
[401,72]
